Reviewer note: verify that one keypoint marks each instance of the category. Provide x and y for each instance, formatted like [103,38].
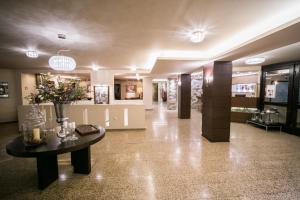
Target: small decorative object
[71,128]
[3,89]
[87,129]
[33,128]
[60,93]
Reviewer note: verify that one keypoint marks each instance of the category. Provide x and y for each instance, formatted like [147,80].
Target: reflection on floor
[169,160]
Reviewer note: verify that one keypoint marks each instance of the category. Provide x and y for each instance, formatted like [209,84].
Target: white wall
[8,106]
[101,77]
[106,77]
[147,93]
[108,116]
[28,82]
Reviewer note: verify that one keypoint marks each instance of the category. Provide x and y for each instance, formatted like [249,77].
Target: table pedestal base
[47,170]
[81,160]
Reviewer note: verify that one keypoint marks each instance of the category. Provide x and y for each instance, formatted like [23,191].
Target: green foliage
[61,92]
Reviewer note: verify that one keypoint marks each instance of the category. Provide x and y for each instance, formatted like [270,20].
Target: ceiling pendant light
[255,60]
[62,63]
[197,36]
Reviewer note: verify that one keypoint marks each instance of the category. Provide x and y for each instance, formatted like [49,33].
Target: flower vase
[61,119]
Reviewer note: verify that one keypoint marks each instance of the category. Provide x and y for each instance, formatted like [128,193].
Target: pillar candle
[36,134]
[85,116]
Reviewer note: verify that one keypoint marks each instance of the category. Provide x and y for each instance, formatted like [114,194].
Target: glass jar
[33,127]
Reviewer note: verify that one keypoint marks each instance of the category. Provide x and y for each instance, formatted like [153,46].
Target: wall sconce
[209,79]
[179,83]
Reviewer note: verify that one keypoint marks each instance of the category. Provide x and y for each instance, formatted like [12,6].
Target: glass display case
[242,108]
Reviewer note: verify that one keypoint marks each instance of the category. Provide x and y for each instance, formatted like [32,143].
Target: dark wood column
[184,96]
[217,79]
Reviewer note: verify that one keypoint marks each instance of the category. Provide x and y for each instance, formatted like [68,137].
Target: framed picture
[101,94]
[270,91]
[130,88]
[3,89]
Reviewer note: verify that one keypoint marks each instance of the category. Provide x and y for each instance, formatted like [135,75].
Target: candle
[65,124]
[36,134]
[85,116]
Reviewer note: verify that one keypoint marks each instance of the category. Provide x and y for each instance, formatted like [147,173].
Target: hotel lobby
[189,99]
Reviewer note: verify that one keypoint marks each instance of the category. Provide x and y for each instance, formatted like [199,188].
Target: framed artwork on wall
[3,89]
[270,91]
[101,94]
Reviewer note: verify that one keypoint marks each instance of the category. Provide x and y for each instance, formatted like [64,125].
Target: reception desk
[110,116]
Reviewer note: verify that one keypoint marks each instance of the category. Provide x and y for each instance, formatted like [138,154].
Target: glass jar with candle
[33,128]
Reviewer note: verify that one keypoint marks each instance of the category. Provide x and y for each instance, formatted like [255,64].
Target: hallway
[168,160]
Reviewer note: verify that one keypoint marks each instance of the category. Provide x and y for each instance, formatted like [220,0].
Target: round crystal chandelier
[62,63]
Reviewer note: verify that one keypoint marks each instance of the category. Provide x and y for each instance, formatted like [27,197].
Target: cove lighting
[238,74]
[62,63]
[32,54]
[159,80]
[255,61]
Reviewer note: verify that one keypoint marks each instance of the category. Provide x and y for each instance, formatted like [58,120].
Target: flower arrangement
[57,92]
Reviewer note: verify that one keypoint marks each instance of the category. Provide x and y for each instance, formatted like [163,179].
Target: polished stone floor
[169,160]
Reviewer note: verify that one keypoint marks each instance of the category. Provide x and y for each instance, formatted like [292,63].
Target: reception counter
[110,116]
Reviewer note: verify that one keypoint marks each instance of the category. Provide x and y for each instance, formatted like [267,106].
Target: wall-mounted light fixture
[209,79]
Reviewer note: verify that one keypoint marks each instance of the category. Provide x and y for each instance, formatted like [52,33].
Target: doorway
[280,90]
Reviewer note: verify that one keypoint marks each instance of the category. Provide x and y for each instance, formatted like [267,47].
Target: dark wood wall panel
[217,101]
[184,97]
[246,102]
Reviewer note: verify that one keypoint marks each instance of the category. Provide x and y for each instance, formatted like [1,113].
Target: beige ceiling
[285,40]
[283,54]
[118,34]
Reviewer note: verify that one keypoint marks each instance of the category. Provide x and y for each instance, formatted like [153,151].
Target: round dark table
[46,154]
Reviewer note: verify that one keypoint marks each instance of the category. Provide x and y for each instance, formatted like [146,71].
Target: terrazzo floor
[168,160]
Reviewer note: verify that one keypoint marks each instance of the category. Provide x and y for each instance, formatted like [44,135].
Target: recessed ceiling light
[197,36]
[133,68]
[32,54]
[61,36]
[95,67]
[137,77]
[255,61]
